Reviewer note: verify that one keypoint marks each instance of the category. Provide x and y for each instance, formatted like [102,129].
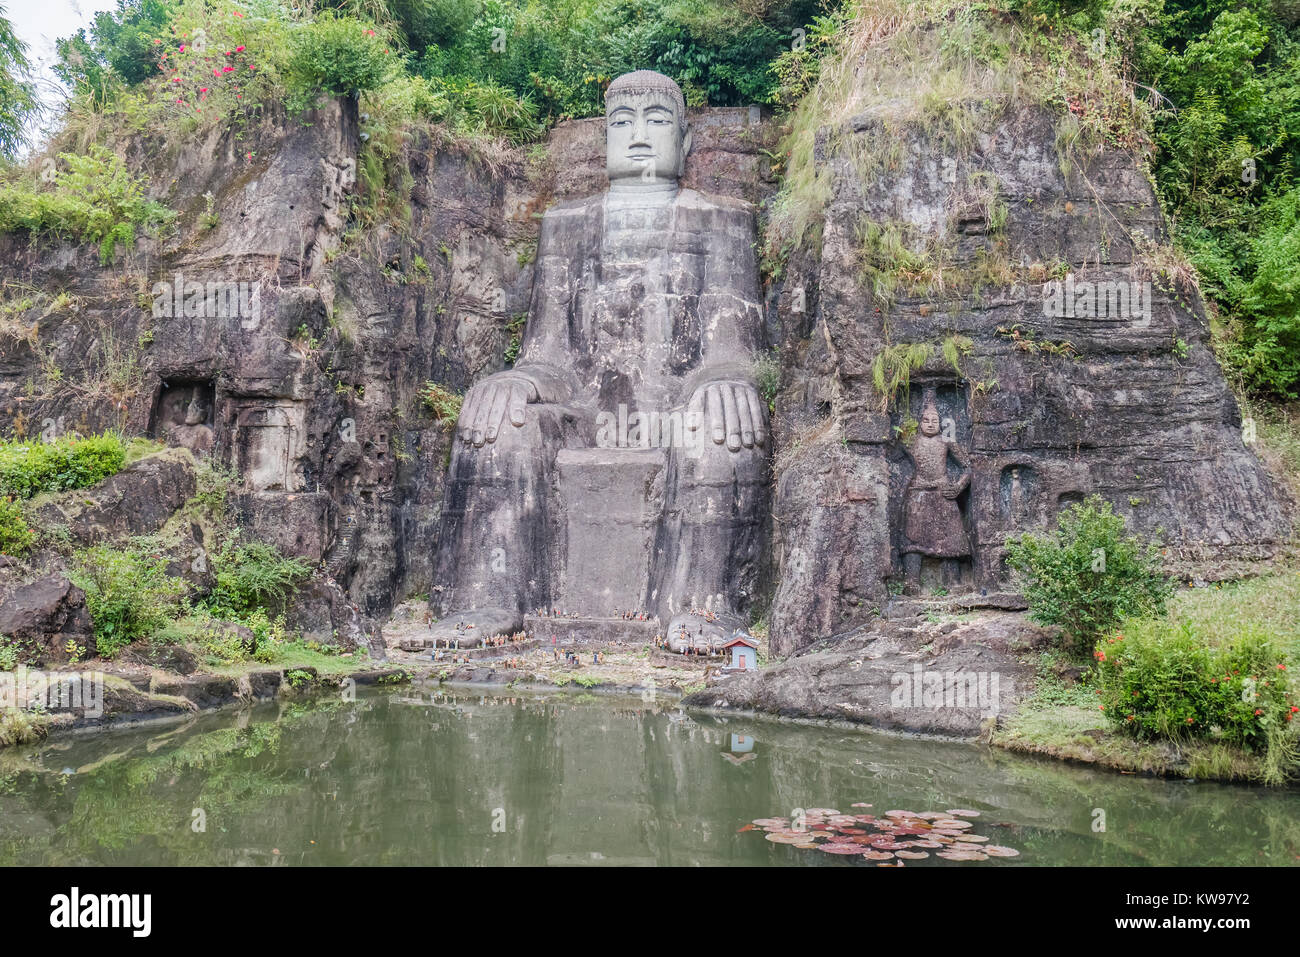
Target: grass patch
[28,468]
[22,727]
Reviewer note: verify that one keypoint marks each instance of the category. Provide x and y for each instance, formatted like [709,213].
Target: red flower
[1294,709]
[1101,707]
[239,49]
[1214,681]
[203,89]
[1189,720]
[1258,711]
[1281,667]
[182,50]
[227,69]
[370,33]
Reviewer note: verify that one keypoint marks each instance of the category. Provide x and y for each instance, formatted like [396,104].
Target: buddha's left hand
[731,411]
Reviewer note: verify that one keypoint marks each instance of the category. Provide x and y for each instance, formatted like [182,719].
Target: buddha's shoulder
[710,202]
[686,199]
[576,208]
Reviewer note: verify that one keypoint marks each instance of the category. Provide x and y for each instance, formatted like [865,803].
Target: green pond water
[419,775]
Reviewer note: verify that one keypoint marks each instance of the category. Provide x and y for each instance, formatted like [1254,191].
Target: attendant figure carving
[932,519]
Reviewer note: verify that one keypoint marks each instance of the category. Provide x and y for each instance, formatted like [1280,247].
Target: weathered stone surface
[43,616]
[204,691]
[125,702]
[136,501]
[907,674]
[569,631]
[174,658]
[1125,411]
[262,684]
[312,396]
[621,465]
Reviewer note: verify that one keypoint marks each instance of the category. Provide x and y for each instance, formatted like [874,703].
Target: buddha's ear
[686,143]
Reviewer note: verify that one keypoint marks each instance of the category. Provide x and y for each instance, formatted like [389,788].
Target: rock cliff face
[1119,395]
[301,367]
[305,380]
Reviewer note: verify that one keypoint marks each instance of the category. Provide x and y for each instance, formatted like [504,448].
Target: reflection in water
[417,776]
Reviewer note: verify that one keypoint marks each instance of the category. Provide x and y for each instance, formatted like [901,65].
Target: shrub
[1162,679]
[93,199]
[29,468]
[9,653]
[442,402]
[767,378]
[337,56]
[22,727]
[213,487]
[1088,575]
[129,594]
[252,577]
[16,535]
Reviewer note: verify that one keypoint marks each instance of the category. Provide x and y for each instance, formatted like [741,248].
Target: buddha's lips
[641,156]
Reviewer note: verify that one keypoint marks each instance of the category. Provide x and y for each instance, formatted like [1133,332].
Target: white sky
[39,23]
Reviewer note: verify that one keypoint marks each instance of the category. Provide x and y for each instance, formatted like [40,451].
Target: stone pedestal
[613,501]
[591,631]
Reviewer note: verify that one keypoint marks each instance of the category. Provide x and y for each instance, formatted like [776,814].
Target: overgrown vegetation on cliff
[1212,85]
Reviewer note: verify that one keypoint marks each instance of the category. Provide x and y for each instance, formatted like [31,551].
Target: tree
[18,102]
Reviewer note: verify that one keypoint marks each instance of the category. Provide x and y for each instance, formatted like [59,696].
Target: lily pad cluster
[890,840]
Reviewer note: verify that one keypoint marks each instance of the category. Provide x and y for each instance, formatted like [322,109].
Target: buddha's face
[645,139]
[930,423]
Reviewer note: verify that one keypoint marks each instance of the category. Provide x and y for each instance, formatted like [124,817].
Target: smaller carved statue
[192,432]
[932,518]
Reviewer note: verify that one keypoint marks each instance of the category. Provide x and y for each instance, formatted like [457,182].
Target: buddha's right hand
[490,402]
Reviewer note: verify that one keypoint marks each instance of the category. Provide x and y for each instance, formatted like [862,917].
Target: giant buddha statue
[620,468]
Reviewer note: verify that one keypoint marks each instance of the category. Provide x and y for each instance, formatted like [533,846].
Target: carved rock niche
[184,414]
[268,442]
[931,520]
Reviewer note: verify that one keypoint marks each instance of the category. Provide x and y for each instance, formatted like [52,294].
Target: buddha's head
[647,139]
[929,418]
[197,412]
